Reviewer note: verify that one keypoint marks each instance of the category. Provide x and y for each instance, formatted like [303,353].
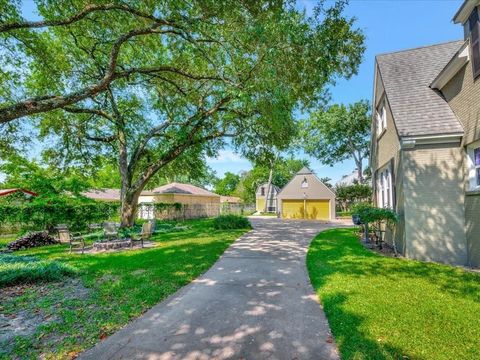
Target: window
[262,191]
[304,183]
[472,30]
[474,165]
[384,187]
[381,116]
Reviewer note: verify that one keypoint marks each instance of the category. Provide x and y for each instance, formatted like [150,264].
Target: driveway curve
[256,302]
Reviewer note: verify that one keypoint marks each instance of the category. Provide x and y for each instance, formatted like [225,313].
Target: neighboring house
[179,193]
[103,194]
[306,197]
[425,154]
[349,179]
[26,193]
[230,199]
[261,197]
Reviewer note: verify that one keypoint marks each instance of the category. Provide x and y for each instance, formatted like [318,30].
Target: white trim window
[474,165]
[384,187]
[381,116]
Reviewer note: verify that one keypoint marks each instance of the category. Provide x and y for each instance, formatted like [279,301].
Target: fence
[190,211]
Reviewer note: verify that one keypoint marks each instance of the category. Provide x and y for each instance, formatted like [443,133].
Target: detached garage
[306,197]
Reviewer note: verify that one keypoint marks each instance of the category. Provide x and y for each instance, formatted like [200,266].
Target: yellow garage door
[293,209]
[318,209]
[315,209]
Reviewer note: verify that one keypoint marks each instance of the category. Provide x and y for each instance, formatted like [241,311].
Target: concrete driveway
[256,302]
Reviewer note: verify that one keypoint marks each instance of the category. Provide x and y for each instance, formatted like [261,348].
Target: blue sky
[388,26]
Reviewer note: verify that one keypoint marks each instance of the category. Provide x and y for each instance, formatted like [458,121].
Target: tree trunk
[269,185]
[360,170]
[129,207]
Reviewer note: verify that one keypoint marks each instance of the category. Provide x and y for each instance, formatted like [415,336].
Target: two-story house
[425,149]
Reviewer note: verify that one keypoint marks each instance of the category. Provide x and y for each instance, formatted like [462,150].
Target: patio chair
[65,236]
[110,230]
[95,231]
[147,231]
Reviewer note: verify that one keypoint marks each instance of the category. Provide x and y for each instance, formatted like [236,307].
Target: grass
[118,287]
[29,269]
[390,308]
[227,222]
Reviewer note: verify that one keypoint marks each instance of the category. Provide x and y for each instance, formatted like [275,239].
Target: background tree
[349,195]
[326,180]
[338,133]
[227,185]
[162,81]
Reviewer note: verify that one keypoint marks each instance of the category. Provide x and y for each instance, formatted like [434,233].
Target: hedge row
[35,216]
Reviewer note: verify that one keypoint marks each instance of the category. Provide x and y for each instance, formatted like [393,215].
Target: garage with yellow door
[306,197]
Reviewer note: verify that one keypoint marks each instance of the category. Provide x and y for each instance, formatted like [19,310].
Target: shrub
[227,222]
[29,269]
[35,239]
[371,214]
[44,215]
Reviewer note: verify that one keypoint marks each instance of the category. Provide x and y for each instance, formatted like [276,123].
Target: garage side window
[304,183]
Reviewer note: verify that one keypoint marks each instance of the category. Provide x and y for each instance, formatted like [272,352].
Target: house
[179,193]
[306,197]
[261,196]
[230,199]
[103,194]
[425,148]
[26,193]
[349,179]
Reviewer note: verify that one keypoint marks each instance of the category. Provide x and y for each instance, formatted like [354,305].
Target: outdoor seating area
[105,236]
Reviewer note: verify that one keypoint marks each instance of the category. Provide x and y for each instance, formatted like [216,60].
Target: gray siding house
[425,149]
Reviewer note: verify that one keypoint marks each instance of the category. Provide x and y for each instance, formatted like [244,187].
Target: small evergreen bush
[229,222]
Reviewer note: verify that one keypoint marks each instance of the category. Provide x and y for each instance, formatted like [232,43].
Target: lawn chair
[110,230]
[95,231]
[147,231]
[64,236]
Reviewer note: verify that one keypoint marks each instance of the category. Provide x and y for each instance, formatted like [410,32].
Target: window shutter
[394,188]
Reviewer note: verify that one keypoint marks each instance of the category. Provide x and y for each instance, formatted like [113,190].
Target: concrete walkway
[256,302]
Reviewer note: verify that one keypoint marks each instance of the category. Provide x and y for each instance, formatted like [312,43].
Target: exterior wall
[462,93]
[272,198]
[472,222]
[387,145]
[434,203]
[385,148]
[316,191]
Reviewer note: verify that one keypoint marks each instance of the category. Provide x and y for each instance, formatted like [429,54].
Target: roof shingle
[417,109]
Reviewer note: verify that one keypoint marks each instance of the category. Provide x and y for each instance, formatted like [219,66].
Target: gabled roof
[103,194]
[179,188]
[417,109]
[304,171]
[4,192]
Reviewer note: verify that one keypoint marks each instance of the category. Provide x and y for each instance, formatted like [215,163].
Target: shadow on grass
[391,308]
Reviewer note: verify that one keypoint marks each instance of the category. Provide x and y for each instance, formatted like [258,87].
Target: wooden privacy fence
[190,211]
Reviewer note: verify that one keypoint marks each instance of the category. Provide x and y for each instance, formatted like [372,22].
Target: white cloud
[226,156]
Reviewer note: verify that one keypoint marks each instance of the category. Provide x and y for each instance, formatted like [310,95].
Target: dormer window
[304,183]
[381,118]
[472,31]
[262,191]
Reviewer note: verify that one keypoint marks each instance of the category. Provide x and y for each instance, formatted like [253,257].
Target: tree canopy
[157,82]
[227,185]
[338,133]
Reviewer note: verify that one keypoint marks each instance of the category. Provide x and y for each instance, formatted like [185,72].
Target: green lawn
[110,290]
[387,308]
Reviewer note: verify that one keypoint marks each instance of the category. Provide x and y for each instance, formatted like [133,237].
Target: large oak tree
[169,80]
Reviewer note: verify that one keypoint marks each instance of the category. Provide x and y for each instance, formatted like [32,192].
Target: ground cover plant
[392,308]
[112,289]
